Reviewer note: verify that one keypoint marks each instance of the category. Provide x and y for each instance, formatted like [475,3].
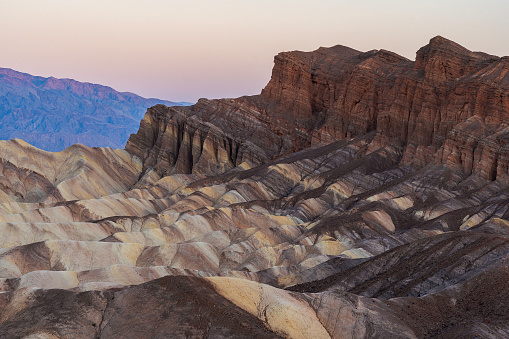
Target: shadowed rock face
[250,218]
[178,307]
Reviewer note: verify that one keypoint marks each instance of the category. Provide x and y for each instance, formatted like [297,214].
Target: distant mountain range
[53,114]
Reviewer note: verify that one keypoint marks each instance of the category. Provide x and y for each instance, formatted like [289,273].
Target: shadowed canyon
[360,195]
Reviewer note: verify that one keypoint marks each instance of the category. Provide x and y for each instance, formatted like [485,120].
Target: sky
[185,50]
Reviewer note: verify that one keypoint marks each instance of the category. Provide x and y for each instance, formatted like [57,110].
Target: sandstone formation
[297,213]
[336,93]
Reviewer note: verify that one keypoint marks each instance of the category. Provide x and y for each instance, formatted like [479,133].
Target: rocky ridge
[235,218]
[334,93]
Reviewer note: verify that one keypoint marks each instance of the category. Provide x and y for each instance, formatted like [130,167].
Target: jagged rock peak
[337,51]
[443,59]
[385,55]
[444,42]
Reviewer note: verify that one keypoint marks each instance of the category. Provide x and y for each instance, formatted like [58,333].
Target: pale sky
[185,50]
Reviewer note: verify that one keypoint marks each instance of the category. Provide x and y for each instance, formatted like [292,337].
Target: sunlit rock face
[240,218]
[53,114]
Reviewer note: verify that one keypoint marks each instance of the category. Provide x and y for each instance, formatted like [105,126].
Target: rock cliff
[335,93]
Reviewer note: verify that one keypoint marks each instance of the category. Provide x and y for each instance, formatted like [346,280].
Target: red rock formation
[335,93]
[171,141]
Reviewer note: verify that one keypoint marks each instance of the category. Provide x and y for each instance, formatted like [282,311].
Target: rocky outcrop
[211,137]
[419,103]
[478,147]
[335,93]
